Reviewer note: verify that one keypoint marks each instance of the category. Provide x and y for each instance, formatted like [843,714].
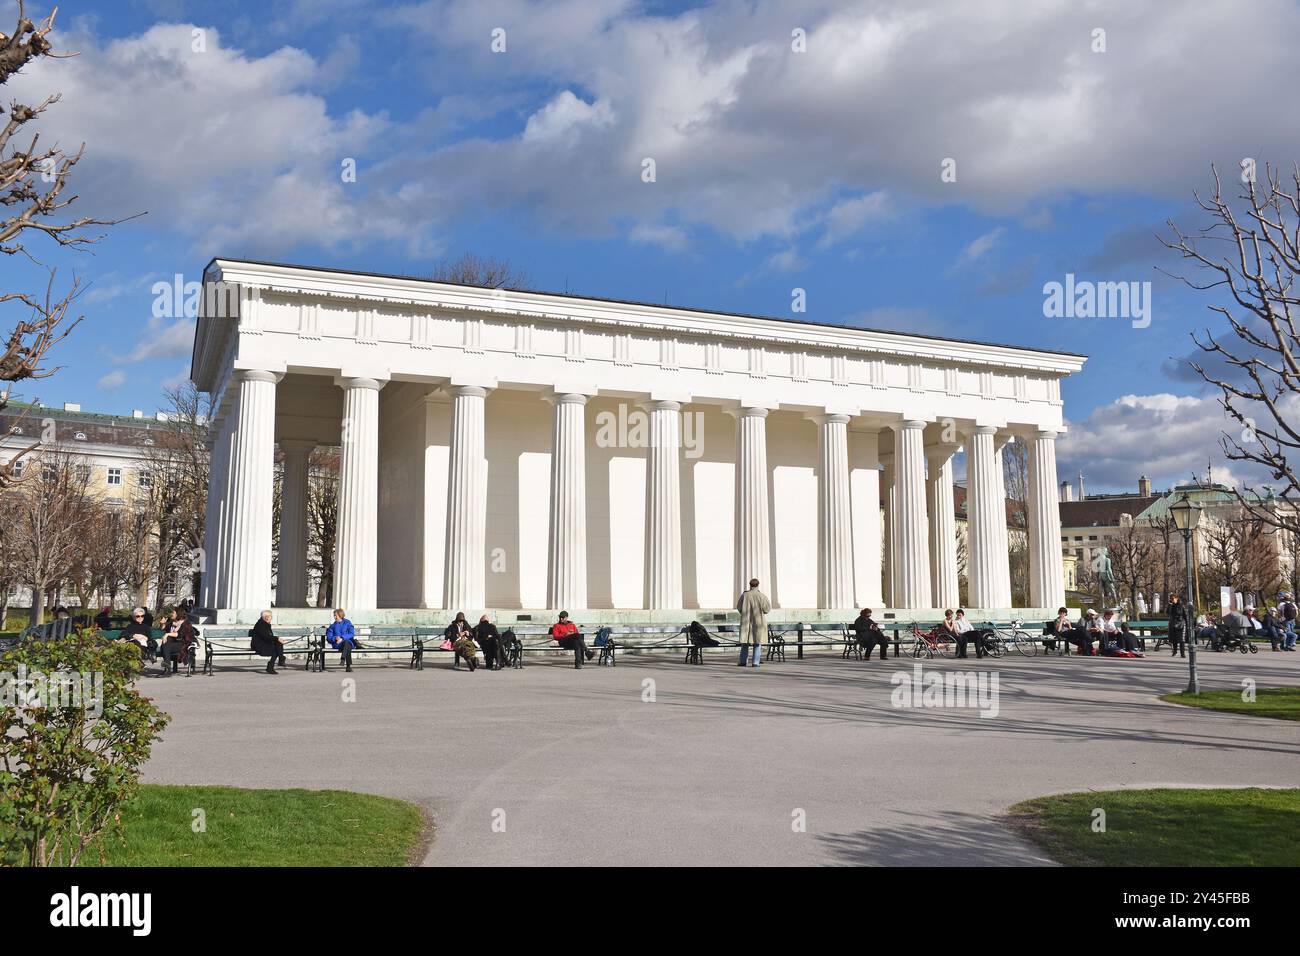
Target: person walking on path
[753,607]
[1180,623]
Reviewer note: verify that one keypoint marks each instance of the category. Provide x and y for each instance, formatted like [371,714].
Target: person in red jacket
[567,635]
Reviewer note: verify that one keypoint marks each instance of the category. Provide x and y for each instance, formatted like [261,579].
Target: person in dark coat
[461,636]
[869,634]
[1180,623]
[266,644]
[178,636]
[489,638]
[137,632]
[104,619]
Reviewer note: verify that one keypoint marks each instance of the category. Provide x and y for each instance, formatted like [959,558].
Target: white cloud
[113,380]
[979,246]
[1166,437]
[849,216]
[565,116]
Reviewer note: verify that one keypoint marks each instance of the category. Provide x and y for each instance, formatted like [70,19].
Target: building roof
[94,427]
[1103,511]
[634,302]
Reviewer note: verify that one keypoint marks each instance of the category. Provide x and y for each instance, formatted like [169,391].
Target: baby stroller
[1228,641]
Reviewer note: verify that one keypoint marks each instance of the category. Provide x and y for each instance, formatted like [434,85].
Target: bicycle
[1014,638]
[932,642]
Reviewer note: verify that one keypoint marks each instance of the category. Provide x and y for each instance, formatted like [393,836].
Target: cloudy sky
[796,144]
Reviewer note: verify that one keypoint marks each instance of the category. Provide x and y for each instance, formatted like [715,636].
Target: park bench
[236,642]
[374,639]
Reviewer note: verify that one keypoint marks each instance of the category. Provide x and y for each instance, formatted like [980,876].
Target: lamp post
[1187,515]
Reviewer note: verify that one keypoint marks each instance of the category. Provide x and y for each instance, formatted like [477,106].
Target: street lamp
[1187,515]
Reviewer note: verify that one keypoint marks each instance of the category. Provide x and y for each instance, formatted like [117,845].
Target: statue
[1155,604]
[1106,577]
[1141,604]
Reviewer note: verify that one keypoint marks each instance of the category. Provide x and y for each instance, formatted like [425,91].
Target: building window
[146,479]
[80,436]
[83,472]
[115,476]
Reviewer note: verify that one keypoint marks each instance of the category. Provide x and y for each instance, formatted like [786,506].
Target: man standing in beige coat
[753,607]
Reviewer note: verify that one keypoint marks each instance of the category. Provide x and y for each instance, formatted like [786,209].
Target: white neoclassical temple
[528,451]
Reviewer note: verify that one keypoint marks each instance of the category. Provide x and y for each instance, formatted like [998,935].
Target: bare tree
[53,515]
[32,183]
[1250,255]
[471,269]
[1132,554]
[322,520]
[177,492]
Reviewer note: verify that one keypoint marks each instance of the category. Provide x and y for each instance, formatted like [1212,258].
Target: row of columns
[920,555]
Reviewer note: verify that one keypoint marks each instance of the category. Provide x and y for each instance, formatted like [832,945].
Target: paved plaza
[716,768]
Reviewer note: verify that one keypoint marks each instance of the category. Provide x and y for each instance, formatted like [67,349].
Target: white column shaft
[466,581]
[986,547]
[753,526]
[834,516]
[1046,566]
[664,507]
[291,571]
[222,512]
[943,530]
[887,485]
[566,586]
[912,531]
[252,490]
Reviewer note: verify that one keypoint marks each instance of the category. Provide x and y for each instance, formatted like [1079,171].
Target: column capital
[360,381]
[828,418]
[748,411]
[941,451]
[256,375]
[661,405]
[297,446]
[983,429]
[1046,433]
[566,398]
[472,391]
[908,424]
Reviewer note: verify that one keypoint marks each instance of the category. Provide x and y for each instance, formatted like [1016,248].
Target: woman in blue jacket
[342,636]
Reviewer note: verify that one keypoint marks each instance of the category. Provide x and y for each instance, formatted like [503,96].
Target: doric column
[566,580]
[291,571]
[221,513]
[943,525]
[1046,567]
[887,532]
[208,595]
[753,528]
[663,560]
[1000,441]
[834,517]
[911,531]
[466,502]
[986,547]
[864,482]
[252,488]
[357,539]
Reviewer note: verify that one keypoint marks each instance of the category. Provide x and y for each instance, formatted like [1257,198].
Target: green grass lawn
[263,828]
[1280,703]
[1251,827]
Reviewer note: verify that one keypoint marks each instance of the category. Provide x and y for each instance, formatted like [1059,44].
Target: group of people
[1112,637]
[178,637]
[1276,624]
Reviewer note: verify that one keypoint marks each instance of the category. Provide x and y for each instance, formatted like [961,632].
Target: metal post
[1193,685]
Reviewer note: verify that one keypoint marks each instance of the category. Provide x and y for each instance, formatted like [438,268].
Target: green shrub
[73,736]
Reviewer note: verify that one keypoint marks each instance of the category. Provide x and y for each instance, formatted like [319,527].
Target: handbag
[446,644]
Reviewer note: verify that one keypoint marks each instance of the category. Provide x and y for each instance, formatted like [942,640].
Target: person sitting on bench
[489,638]
[461,639]
[1059,630]
[869,634]
[179,637]
[266,644]
[567,635]
[137,632]
[342,637]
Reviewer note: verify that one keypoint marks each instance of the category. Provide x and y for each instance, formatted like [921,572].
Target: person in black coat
[869,634]
[1180,622]
[137,632]
[489,638]
[266,644]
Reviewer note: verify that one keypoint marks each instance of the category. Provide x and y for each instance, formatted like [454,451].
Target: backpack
[602,636]
[1288,611]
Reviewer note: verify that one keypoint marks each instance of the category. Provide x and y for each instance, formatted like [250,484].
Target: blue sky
[775,169]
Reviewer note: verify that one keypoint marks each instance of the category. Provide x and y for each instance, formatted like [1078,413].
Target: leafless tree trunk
[54,514]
